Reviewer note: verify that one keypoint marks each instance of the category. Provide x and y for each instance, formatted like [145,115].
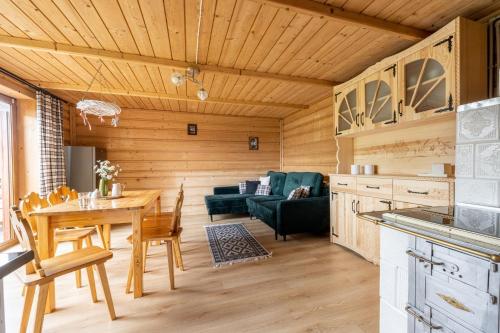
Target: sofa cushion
[297,179]
[267,211]
[251,186]
[253,202]
[296,193]
[227,203]
[263,190]
[277,182]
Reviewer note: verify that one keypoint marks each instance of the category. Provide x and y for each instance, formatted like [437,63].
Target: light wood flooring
[308,285]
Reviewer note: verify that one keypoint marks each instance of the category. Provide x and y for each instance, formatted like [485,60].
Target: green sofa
[284,216]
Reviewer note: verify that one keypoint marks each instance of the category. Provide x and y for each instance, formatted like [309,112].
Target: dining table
[130,207]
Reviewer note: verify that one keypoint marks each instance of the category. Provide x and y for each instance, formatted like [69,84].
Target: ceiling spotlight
[202,94]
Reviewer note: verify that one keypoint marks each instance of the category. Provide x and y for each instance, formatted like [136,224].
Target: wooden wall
[408,151]
[154,151]
[308,141]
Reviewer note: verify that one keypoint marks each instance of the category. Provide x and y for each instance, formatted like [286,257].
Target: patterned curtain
[49,115]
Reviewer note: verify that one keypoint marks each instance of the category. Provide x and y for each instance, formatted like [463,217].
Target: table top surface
[130,200]
[10,262]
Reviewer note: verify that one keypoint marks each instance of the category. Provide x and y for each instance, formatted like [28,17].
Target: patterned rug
[233,243]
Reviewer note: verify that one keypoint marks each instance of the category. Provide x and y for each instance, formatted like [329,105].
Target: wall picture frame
[192,129]
[253,143]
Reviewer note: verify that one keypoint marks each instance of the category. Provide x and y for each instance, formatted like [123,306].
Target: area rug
[233,243]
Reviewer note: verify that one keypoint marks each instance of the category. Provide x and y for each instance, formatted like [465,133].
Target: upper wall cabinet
[347,114]
[428,80]
[380,97]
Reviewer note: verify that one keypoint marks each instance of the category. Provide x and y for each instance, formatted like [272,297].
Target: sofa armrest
[303,215]
[226,190]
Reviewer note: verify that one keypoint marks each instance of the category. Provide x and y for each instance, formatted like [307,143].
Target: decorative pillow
[265,180]
[306,191]
[243,187]
[295,194]
[263,189]
[251,186]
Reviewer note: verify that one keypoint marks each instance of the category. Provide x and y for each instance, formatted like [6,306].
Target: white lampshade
[177,79]
[202,94]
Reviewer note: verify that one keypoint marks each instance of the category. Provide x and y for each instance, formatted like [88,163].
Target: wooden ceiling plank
[67,9]
[52,47]
[87,11]
[223,15]
[24,71]
[112,17]
[174,11]
[145,80]
[260,27]
[153,14]
[50,10]
[22,21]
[241,25]
[10,28]
[275,31]
[334,13]
[132,12]
[23,60]
[58,68]
[37,16]
[208,16]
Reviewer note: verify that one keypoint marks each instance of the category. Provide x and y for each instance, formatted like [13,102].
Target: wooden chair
[47,270]
[164,227]
[64,193]
[76,236]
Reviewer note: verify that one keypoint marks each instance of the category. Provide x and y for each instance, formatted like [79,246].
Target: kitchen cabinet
[354,194]
[429,81]
[347,110]
[379,94]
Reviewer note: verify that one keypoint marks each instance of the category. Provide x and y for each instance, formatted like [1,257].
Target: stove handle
[423,259]
[409,309]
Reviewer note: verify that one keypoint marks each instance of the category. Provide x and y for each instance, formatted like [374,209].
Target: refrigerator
[80,161]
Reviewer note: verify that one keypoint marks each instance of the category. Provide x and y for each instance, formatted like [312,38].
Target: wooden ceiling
[258,57]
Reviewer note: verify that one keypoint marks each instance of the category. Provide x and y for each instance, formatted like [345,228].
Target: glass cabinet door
[429,81]
[380,99]
[347,115]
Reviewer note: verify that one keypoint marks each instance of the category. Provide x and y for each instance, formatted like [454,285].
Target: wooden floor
[307,286]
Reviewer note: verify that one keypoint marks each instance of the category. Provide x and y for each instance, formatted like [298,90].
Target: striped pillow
[242,187]
[295,194]
[306,191]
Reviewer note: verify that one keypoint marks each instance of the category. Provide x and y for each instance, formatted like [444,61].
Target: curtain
[49,113]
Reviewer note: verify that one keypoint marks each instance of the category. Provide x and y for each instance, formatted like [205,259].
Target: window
[6,184]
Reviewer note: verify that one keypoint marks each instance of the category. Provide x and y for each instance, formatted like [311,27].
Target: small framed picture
[253,143]
[192,129]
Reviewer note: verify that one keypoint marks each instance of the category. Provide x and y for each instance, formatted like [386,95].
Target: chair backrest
[32,202]
[176,215]
[24,235]
[54,198]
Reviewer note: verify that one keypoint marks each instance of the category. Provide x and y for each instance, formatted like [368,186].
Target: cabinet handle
[387,202]
[420,318]
[357,120]
[400,107]
[423,259]
[361,118]
[357,207]
[417,192]
[352,206]
[334,193]
[373,187]
[342,184]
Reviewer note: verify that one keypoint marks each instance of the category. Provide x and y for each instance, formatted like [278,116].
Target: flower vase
[103,187]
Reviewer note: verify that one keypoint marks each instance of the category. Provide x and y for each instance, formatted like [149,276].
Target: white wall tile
[487,160]
[477,191]
[478,125]
[464,162]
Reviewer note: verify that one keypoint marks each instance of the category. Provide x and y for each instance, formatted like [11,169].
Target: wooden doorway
[7,106]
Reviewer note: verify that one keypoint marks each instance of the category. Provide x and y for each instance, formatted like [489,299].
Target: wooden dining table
[130,208]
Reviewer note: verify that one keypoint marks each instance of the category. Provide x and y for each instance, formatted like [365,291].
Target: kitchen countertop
[10,262]
[408,177]
[471,230]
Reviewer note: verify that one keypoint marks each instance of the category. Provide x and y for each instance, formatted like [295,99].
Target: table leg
[137,251]
[45,234]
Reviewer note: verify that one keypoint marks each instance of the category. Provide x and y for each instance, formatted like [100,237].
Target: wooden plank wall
[408,151]
[154,151]
[308,141]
